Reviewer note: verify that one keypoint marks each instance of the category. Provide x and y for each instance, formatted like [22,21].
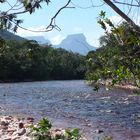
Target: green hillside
[6,35]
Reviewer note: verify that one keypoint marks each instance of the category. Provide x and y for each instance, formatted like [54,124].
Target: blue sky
[71,21]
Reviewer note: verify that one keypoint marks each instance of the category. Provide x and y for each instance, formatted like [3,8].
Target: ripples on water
[74,104]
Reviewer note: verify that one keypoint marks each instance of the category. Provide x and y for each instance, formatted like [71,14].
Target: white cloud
[24,33]
[93,42]
[77,29]
[57,39]
[116,19]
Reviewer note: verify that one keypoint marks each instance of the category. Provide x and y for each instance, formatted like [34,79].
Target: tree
[28,60]
[118,59]
[124,15]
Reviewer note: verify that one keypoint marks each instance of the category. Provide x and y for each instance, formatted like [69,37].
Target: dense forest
[28,61]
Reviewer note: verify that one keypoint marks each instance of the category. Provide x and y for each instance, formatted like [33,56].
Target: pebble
[4,123]
[30,120]
[21,131]
[20,125]
[13,128]
[106,111]
[8,117]
[98,131]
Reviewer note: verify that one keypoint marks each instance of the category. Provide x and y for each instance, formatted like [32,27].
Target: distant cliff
[76,43]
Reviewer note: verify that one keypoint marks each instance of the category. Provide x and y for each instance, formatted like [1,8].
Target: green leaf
[102,14]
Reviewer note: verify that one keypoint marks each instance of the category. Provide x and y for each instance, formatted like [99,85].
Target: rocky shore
[14,128]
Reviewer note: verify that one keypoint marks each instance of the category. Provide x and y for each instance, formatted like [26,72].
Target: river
[73,103]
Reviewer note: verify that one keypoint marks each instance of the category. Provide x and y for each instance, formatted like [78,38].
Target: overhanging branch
[52,25]
[128,4]
[123,15]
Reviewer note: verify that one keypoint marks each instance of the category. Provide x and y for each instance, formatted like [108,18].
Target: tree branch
[129,4]
[52,23]
[123,15]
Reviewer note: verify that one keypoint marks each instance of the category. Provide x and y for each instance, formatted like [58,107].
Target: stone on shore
[13,128]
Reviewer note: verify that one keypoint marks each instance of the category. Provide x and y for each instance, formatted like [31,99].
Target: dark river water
[71,104]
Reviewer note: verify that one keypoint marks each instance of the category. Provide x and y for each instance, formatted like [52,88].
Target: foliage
[73,134]
[8,18]
[43,132]
[43,126]
[118,59]
[30,61]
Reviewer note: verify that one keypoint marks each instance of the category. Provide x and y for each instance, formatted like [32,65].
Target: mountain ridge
[76,43]
[6,35]
[40,39]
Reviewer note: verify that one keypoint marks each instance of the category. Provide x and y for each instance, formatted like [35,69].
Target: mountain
[39,39]
[10,36]
[76,43]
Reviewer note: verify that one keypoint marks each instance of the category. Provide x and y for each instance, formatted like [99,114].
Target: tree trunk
[123,15]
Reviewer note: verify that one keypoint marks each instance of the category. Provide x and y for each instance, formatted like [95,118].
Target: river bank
[15,128]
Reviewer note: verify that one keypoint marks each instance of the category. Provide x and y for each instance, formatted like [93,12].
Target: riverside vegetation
[28,61]
[118,58]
